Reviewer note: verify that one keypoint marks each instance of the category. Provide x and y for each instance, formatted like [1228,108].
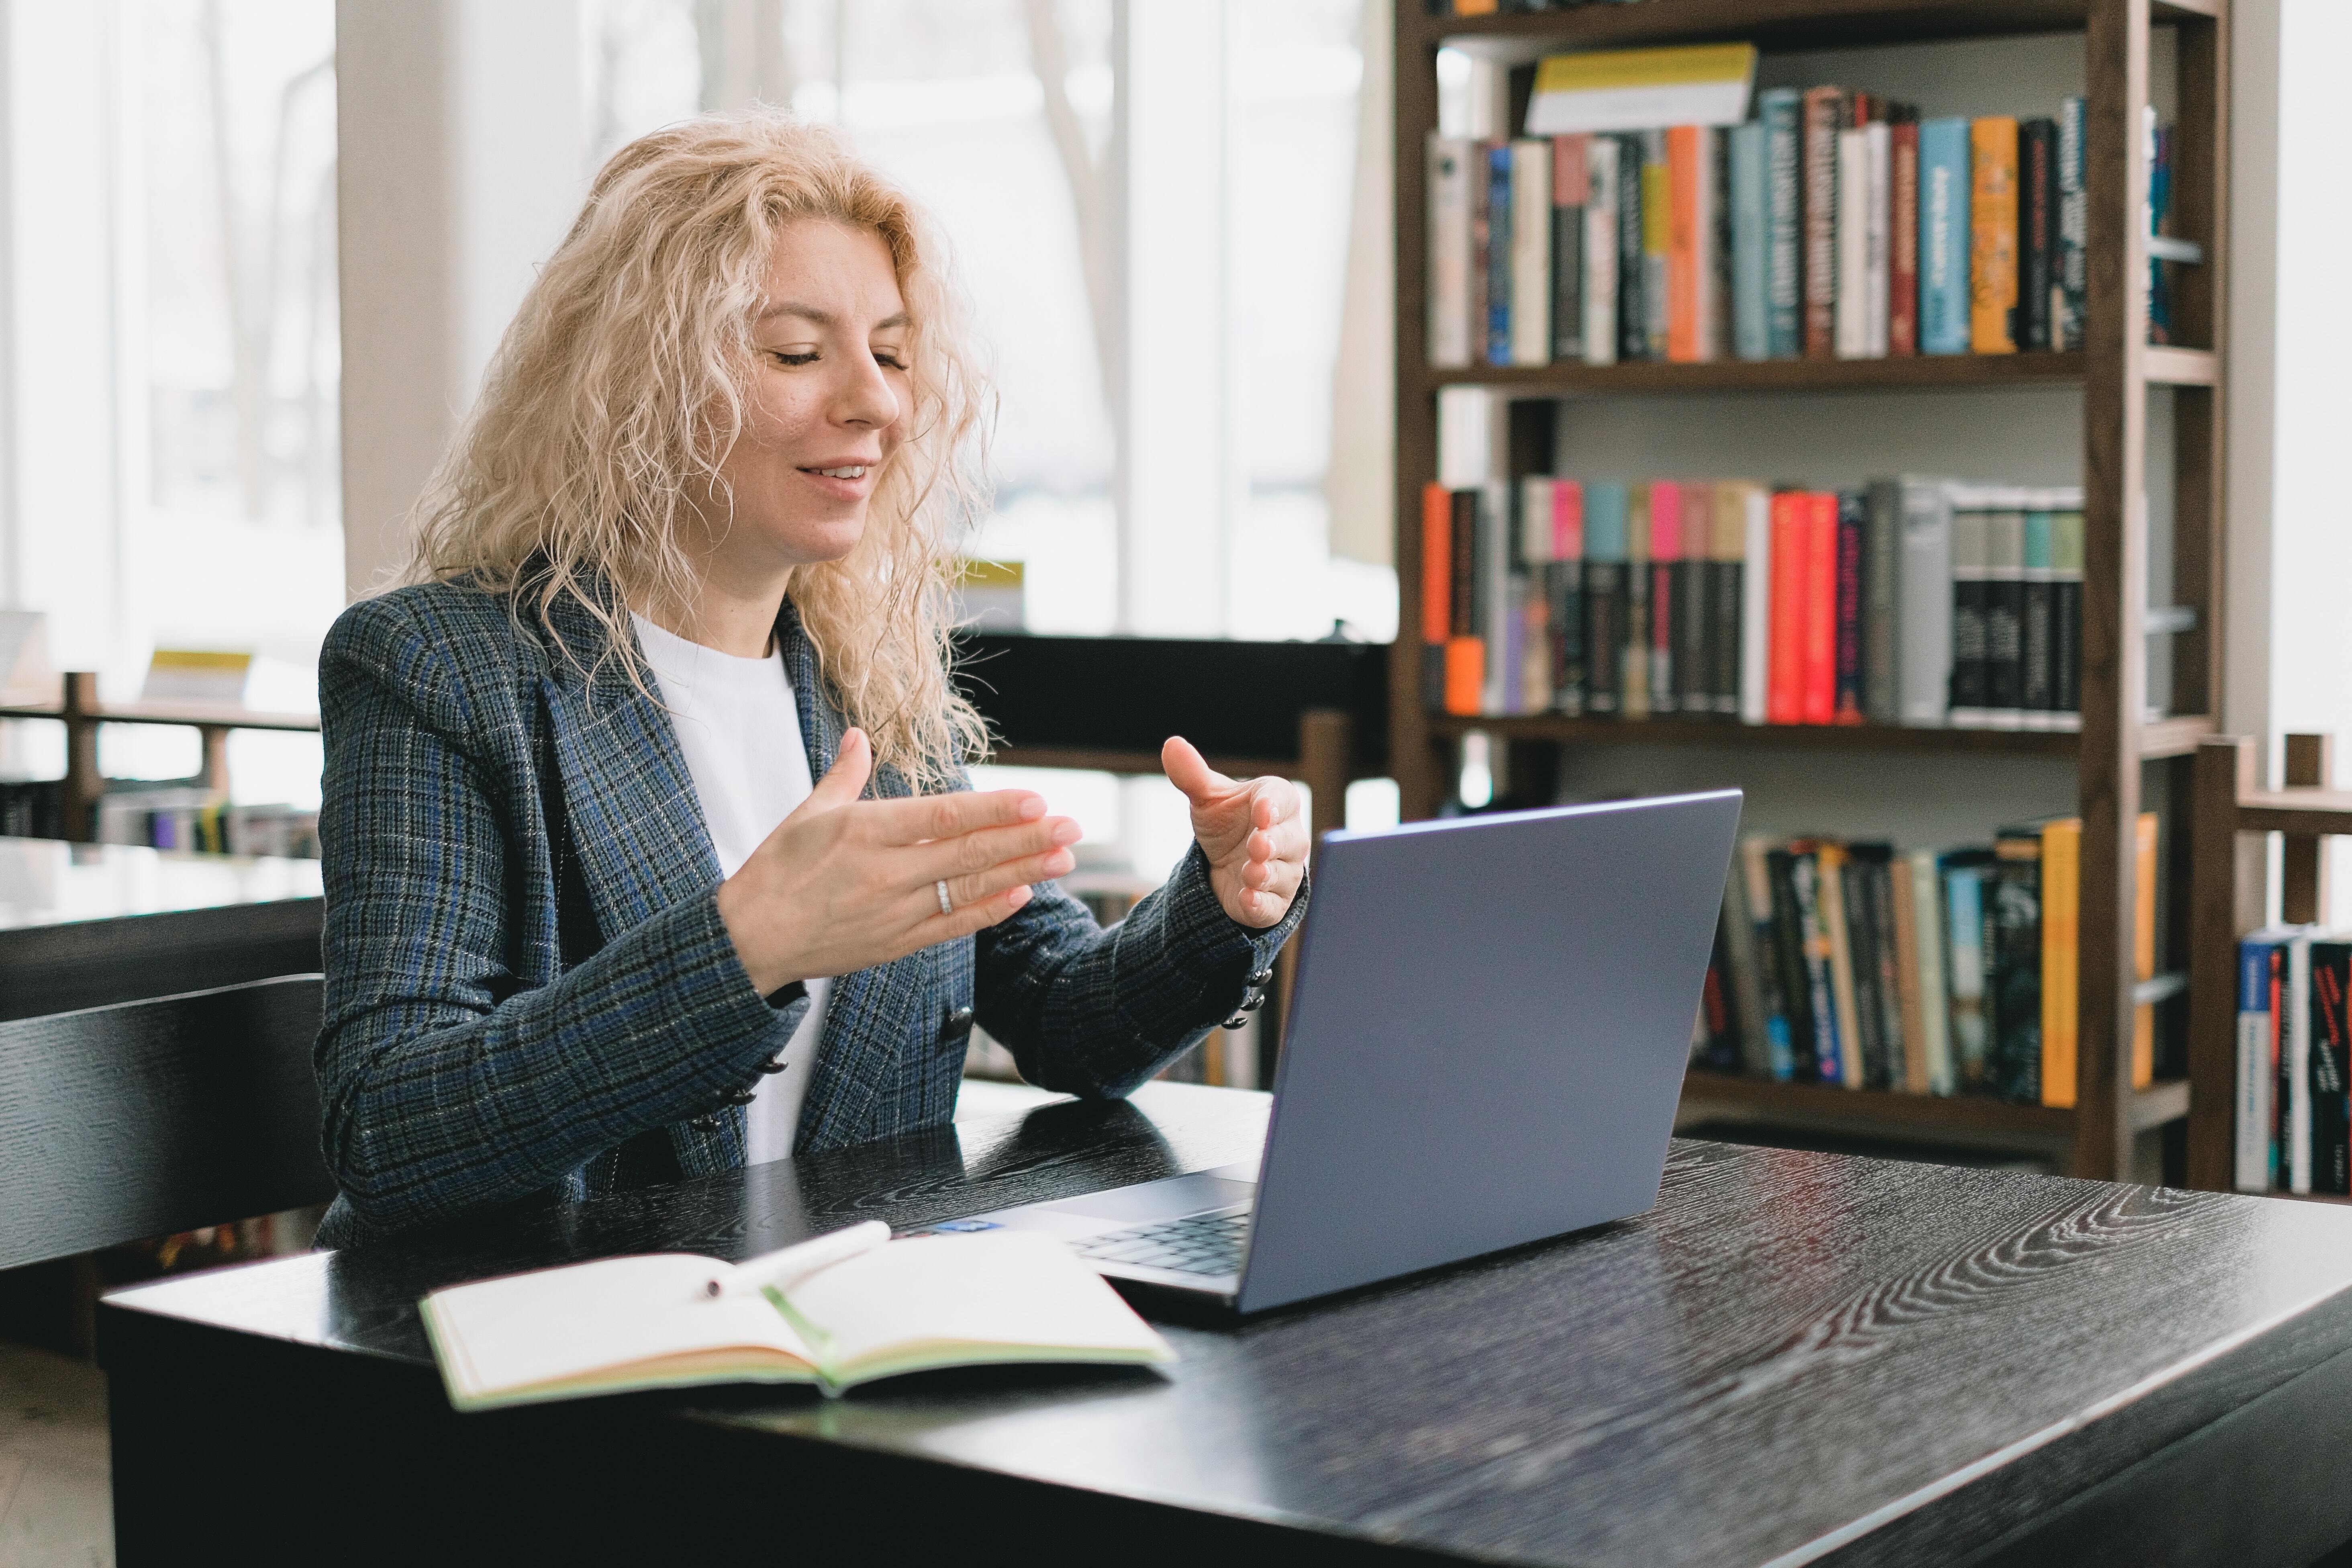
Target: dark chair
[148,1118]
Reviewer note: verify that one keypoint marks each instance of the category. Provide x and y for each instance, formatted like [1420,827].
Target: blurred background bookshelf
[2135,425]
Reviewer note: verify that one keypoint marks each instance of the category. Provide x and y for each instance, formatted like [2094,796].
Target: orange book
[1819,609]
[1992,236]
[1684,171]
[1784,690]
[1465,674]
[2062,906]
[1436,564]
[2143,950]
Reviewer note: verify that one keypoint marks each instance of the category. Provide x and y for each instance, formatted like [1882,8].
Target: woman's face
[830,393]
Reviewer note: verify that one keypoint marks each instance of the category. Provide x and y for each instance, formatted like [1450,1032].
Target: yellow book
[2061,905]
[1992,235]
[1634,89]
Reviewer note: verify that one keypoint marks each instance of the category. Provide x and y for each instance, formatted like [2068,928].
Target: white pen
[788,1268]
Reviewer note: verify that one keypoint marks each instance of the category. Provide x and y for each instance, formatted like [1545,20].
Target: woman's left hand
[1249,828]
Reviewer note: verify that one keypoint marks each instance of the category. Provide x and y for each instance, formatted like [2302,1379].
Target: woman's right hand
[844,884]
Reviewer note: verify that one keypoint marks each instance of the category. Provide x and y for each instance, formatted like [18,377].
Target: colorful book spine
[2015,987]
[1964,875]
[1632,270]
[1903,236]
[1823,112]
[2143,947]
[1853,539]
[1638,606]
[1781,113]
[1756,604]
[1945,233]
[1795,958]
[1437,585]
[2262,957]
[1500,273]
[2294,1066]
[1925,590]
[1992,224]
[1753,869]
[1600,184]
[1751,240]
[1498,605]
[1725,594]
[1465,652]
[1657,242]
[1687,215]
[2037,239]
[1570,186]
[1537,655]
[2061,883]
[1791,551]
[1531,259]
[1854,1047]
[1819,608]
[1605,542]
[1934,995]
[1829,1053]
[1450,252]
[1565,591]
[2072,291]
[1694,621]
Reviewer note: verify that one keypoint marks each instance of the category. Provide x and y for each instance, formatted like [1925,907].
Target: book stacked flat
[1913,601]
[1937,973]
[1835,224]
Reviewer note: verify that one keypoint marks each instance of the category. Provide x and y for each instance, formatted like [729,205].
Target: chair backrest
[147,1118]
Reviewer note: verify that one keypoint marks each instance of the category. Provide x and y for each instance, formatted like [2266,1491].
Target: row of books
[1951,973]
[2294,1058]
[1836,226]
[1915,601]
[186,817]
[1491,7]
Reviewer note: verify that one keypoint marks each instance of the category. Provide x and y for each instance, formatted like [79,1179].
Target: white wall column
[462,132]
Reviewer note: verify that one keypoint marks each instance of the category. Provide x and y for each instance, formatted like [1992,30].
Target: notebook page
[1016,1289]
[528,1329]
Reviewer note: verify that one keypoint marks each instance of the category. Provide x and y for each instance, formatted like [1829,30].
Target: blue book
[1780,115]
[1499,253]
[1944,236]
[1751,326]
[1607,538]
[1966,969]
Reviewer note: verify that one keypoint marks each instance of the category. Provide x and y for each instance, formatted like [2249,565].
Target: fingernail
[1059,862]
[1018,895]
[1067,832]
[1033,807]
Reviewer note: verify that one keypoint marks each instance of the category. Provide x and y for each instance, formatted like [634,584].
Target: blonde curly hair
[624,380]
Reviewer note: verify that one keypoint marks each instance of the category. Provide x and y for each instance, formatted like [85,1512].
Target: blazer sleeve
[1096,1012]
[448,1083]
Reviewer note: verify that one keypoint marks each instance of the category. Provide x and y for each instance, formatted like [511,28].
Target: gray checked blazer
[530,993]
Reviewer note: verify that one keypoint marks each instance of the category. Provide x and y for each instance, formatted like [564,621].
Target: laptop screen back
[1488,1036]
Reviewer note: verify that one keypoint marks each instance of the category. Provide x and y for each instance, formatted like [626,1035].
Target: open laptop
[1486,1043]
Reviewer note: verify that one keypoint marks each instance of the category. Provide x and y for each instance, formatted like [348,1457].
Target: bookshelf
[2125,758]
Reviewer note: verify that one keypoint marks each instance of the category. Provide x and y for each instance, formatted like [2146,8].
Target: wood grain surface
[1794,1357]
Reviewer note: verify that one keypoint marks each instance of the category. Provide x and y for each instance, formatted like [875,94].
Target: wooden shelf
[2164,738]
[2168,366]
[1772,23]
[1959,1113]
[1772,375]
[2308,812]
[203,716]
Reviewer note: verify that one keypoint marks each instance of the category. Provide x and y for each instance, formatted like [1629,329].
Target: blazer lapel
[868,1016]
[636,822]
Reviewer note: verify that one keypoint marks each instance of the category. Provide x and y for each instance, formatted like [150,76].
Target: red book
[1784,693]
[1665,549]
[1903,270]
[1683,258]
[1566,518]
[1820,608]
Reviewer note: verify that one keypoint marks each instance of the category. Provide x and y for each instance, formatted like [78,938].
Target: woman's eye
[794,356]
[889,358]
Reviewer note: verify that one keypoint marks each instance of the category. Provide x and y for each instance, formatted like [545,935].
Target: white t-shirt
[739,730]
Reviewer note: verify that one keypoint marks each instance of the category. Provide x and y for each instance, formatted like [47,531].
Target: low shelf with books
[2131,321]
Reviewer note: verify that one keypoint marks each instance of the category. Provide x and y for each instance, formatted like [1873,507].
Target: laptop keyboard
[1197,1244]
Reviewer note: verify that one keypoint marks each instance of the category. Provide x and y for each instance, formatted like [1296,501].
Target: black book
[1564,620]
[1633,291]
[2331,1067]
[1969,589]
[2037,232]
[1788,965]
[2038,627]
[1604,636]
[1877,861]
[2014,947]
[1862,955]
[1567,268]
[1462,602]
[1695,621]
[2005,615]
[1715,1040]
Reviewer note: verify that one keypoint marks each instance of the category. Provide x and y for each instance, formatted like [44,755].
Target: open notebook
[843,1310]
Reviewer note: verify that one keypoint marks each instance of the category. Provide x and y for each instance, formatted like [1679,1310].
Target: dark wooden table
[82,925]
[1794,1358]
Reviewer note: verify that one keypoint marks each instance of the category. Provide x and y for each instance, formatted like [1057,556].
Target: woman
[648,847]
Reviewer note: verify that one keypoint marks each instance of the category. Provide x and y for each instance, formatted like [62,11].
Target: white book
[1878,259]
[1852,318]
[843,1310]
[1601,251]
[1756,608]
[1465,451]
[1530,253]
[1451,252]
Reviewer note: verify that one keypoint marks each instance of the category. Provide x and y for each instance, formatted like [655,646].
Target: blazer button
[705,1124]
[956,1025]
[1261,976]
